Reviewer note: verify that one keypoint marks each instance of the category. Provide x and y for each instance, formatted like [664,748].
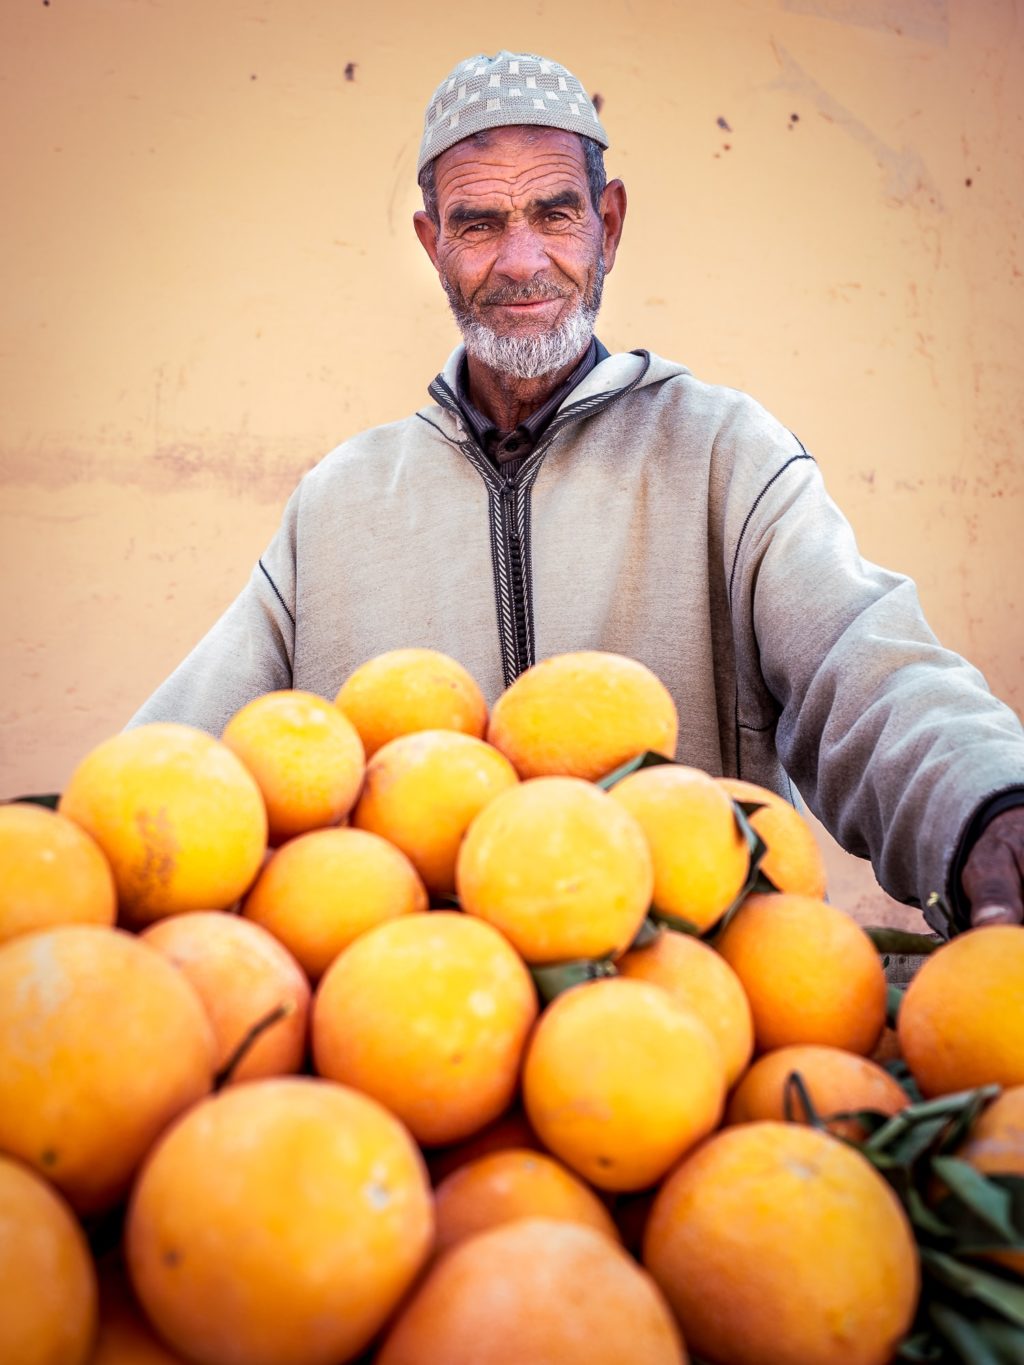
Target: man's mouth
[526,301]
[527,306]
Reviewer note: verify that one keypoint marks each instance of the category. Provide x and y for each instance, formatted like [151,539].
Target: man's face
[520,250]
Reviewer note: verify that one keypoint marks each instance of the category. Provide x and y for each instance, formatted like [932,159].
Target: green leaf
[919,1349]
[47,799]
[648,759]
[904,1140]
[924,1218]
[988,1208]
[972,1102]
[871,1120]
[763,885]
[1006,1297]
[900,942]
[899,1071]
[647,935]
[551,979]
[756,849]
[893,1001]
[938,1117]
[1014,1187]
[965,1336]
[674,922]
[1004,1338]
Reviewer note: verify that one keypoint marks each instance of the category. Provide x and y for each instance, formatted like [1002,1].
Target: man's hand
[993,876]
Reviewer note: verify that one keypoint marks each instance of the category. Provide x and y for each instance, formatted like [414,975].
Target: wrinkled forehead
[511,162]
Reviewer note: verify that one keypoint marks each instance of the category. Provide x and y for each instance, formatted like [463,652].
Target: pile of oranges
[278,1087]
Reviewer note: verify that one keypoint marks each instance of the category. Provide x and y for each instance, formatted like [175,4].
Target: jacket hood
[622,370]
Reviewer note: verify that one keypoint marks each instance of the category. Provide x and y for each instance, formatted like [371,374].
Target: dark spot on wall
[252,76]
[597,100]
[350,70]
[726,146]
[968,182]
[794,118]
[723,124]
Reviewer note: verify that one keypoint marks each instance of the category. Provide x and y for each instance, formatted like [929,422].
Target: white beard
[530,357]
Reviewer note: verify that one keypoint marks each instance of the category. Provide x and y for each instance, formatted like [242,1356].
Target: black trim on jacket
[508,506]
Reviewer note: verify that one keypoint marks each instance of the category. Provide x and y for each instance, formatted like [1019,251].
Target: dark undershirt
[508,449]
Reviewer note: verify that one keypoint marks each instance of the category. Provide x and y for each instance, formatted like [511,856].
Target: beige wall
[208,269]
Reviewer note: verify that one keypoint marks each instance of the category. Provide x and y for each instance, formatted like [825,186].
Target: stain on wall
[925,21]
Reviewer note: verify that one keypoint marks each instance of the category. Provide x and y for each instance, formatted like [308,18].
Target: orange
[279,1223]
[429,1014]
[836,1081]
[995,1146]
[698,977]
[322,890]
[179,817]
[411,689]
[701,859]
[776,1244]
[961,1021]
[583,715]
[793,861]
[103,1044]
[620,1080]
[241,974]
[47,1280]
[51,872]
[422,791]
[306,757]
[559,867]
[810,972]
[537,1291]
[512,1129]
[516,1183]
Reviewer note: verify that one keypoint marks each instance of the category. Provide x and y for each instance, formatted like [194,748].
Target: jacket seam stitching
[739,724]
[521,486]
[277,593]
[753,508]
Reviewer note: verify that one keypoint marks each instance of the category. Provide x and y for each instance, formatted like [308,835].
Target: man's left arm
[896,743]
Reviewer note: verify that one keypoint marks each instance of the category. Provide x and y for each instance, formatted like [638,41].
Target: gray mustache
[524,293]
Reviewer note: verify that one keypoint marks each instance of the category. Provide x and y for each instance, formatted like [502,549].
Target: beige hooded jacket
[662,518]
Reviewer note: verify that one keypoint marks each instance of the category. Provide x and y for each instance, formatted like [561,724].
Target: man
[555,497]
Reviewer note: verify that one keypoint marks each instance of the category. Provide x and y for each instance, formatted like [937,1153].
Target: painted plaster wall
[209,279]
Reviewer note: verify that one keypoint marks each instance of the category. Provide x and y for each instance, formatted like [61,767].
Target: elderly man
[555,497]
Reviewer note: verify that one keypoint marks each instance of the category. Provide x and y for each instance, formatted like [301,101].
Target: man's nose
[521,252]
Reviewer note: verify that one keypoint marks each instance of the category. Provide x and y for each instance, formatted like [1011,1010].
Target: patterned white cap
[495,92]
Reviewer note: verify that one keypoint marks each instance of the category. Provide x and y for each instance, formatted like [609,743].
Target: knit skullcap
[496,92]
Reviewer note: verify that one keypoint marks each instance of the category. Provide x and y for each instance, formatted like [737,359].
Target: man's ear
[613,214]
[426,231]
